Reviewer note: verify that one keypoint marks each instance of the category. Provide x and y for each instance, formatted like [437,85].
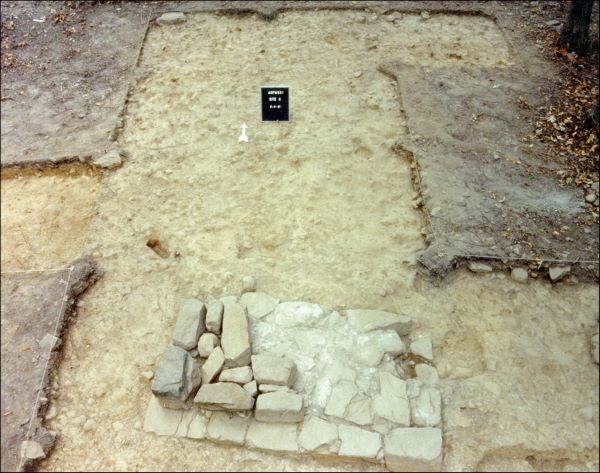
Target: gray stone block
[241,375]
[235,339]
[270,369]
[214,316]
[358,443]
[190,324]
[213,365]
[224,396]
[227,428]
[279,407]
[176,378]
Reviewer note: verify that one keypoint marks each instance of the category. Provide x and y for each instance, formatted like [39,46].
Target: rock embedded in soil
[519,275]
[270,436]
[413,449]
[235,339]
[207,343]
[279,407]
[224,396]
[214,316]
[299,314]
[316,432]
[358,443]
[258,304]
[477,267]
[190,324]
[428,375]
[110,160]
[176,378]
[422,347]
[32,450]
[160,420]
[558,272]
[241,375]
[248,284]
[170,18]
[213,365]
[365,320]
[270,369]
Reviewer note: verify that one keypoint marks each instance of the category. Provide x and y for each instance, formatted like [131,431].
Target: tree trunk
[575,32]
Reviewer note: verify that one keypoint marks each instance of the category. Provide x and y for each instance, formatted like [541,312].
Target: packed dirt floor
[320,209]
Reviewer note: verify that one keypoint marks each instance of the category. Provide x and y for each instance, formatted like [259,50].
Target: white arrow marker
[243,136]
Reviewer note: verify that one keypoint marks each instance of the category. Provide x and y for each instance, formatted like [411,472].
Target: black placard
[275,103]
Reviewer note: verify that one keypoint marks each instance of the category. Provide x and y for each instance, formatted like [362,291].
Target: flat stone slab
[270,369]
[224,396]
[279,407]
[227,428]
[272,436]
[160,420]
[258,304]
[235,340]
[413,449]
[241,375]
[365,320]
[341,395]
[358,443]
[190,324]
[171,18]
[316,432]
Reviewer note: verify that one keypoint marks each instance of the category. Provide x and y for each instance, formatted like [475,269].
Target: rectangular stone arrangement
[297,377]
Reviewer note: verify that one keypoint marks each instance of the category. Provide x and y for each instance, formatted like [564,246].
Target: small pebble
[148,375]
[425,15]
[89,425]
[358,74]
[591,197]
[248,284]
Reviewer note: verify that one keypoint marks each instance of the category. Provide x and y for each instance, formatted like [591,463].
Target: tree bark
[575,32]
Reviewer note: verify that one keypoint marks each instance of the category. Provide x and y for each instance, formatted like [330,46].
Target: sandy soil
[45,217]
[320,210]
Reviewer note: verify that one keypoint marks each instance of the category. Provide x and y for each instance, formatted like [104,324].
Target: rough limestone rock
[341,395]
[365,320]
[224,396]
[480,267]
[171,18]
[390,342]
[428,375]
[558,272]
[358,443]
[275,437]
[413,449]
[214,316]
[270,369]
[422,347]
[258,304]
[32,450]
[176,378]
[296,313]
[392,401]
[207,343]
[594,347]
[241,375]
[213,365]
[269,388]
[110,160]
[426,408]
[367,351]
[251,388]
[248,284]
[317,433]
[279,407]
[519,275]
[190,324]
[160,420]
[359,411]
[227,428]
[235,340]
